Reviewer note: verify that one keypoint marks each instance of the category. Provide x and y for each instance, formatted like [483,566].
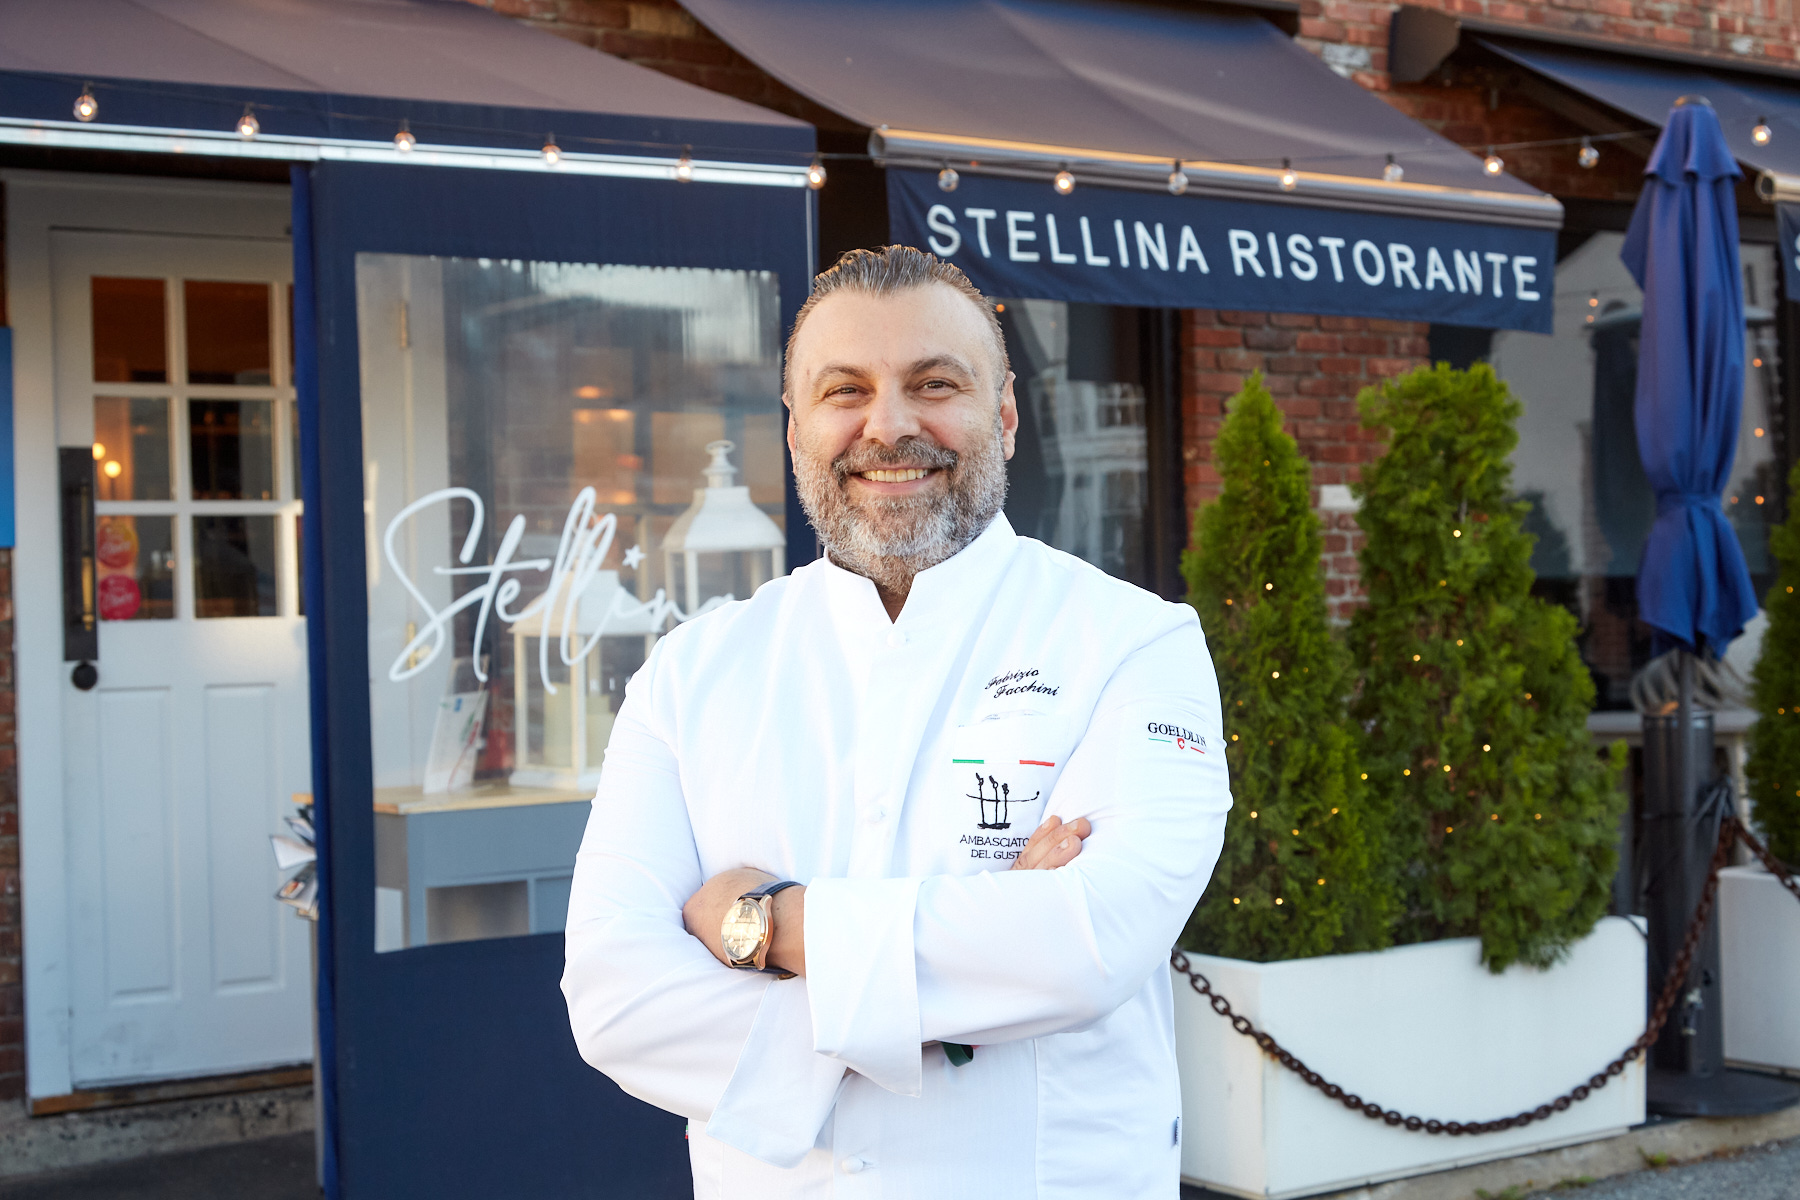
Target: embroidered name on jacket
[1016,683]
[1181,738]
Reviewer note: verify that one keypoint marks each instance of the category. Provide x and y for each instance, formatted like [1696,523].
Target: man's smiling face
[901,417]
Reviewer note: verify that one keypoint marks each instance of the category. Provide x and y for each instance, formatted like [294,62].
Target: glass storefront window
[1577,459]
[561,461]
[1078,479]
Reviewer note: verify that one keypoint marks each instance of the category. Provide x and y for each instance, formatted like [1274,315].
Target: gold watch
[749,926]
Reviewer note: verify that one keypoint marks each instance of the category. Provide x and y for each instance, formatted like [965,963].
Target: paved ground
[277,1168]
[281,1168]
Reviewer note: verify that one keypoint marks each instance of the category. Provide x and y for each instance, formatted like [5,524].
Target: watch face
[743,930]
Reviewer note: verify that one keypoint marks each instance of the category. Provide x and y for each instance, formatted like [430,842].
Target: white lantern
[561,730]
[723,545]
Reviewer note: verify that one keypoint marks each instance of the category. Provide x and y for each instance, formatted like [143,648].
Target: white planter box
[1424,1029]
[1759,944]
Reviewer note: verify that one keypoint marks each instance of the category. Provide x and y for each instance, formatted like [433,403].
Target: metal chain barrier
[1730,832]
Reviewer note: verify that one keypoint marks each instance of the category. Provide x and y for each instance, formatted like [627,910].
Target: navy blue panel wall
[450,1071]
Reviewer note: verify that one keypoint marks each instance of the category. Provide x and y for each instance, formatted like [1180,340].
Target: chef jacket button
[853,1165]
[874,816]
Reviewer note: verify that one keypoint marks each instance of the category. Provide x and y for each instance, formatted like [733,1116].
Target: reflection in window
[234,566]
[1577,460]
[231,449]
[135,557]
[1078,479]
[625,421]
[131,342]
[131,448]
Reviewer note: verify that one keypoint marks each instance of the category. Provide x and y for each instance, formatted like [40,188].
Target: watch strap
[769,889]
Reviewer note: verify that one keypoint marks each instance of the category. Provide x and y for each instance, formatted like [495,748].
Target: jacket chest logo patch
[995,800]
[1176,735]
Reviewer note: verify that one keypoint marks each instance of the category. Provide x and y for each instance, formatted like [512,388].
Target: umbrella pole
[1684,721]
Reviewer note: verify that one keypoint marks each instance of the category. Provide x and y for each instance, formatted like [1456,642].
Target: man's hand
[1053,845]
[704,914]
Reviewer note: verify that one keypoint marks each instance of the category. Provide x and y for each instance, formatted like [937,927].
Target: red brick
[1215,337]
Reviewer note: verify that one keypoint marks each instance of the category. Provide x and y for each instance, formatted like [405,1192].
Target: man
[889,731]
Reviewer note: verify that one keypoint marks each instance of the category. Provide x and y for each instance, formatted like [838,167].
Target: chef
[804,915]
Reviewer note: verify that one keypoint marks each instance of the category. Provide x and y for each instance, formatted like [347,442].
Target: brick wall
[1314,366]
[1351,35]
[12,990]
[663,36]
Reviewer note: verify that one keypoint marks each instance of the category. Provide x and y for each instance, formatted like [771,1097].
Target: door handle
[81,616]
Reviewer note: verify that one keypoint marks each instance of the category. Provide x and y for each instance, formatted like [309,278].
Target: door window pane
[234,566]
[1577,459]
[227,332]
[131,448]
[581,410]
[136,560]
[231,448]
[1078,479]
[131,343]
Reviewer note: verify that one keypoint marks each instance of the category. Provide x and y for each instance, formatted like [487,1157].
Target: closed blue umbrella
[1693,586]
[1682,248]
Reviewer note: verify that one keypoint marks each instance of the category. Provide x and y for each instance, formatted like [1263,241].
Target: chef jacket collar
[945,592]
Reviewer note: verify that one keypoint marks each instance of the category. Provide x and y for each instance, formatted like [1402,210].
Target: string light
[948,179]
[1278,899]
[404,141]
[1178,179]
[684,168]
[1289,180]
[1760,133]
[1064,182]
[552,151]
[1587,156]
[248,126]
[86,107]
[1393,172]
[1493,164]
[815,174]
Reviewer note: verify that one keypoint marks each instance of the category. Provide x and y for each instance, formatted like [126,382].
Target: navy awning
[1647,90]
[335,78]
[1117,92]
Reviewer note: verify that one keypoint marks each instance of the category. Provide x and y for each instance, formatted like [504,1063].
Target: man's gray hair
[895,269]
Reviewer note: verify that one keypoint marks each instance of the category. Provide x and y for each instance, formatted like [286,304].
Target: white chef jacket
[896,768]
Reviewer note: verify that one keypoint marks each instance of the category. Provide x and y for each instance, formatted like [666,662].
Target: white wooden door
[173,364]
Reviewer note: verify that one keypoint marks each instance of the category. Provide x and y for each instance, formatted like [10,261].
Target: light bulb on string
[948,179]
[1288,180]
[1587,156]
[86,107]
[1760,133]
[684,168]
[248,126]
[552,151]
[404,141]
[1393,172]
[1064,182]
[815,174]
[1493,164]
[1178,180]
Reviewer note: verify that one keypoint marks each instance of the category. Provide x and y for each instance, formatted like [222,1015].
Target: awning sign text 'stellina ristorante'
[1114,246]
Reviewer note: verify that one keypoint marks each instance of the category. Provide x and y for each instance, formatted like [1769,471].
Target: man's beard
[889,539]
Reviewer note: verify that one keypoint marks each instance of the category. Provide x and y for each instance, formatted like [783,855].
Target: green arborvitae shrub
[1774,766]
[1295,877]
[1502,821]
